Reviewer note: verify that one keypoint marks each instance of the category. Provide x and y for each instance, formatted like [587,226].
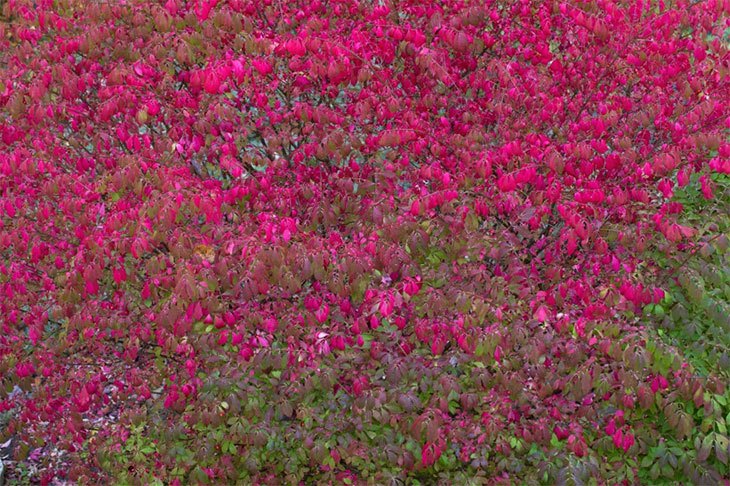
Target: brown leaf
[205,252]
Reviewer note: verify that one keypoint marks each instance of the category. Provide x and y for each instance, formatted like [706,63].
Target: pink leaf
[498,354]
[262,66]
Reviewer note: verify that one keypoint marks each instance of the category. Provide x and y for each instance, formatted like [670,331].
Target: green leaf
[654,472]
[554,441]
[453,407]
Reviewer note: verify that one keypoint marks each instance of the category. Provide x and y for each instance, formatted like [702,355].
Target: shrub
[358,241]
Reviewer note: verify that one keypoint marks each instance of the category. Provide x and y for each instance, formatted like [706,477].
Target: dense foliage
[359,241]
